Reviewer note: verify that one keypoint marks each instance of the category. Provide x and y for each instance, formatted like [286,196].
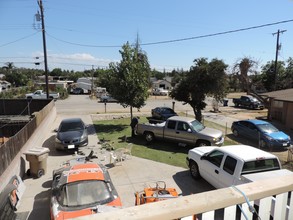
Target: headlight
[57,140]
[83,136]
[217,139]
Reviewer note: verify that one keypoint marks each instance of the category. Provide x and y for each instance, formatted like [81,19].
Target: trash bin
[225,102]
[37,158]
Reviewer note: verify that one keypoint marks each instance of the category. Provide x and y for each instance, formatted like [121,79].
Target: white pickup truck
[40,94]
[233,165]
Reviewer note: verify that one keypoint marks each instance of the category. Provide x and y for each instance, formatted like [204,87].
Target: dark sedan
[267,135]
[163,113]
[71,134]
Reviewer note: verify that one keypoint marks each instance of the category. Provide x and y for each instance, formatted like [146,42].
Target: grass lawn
[116,130]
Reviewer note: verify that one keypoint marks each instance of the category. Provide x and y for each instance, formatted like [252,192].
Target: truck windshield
[197,126]
[260,166]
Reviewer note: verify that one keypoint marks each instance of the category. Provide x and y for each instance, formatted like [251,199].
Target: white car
[160,91]
[107,98]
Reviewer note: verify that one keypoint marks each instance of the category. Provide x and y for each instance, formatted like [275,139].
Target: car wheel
[194,171]
[40,173]
[149,137]
[203,143]
[251,107]
[235,133]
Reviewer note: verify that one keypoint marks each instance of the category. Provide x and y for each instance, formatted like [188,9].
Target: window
[182,126]
[230,165]
[260,166]
[215,157]
[171,124]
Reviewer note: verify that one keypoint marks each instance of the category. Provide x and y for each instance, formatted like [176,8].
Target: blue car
[267,135]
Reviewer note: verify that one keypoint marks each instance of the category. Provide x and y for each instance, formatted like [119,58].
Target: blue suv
[267,135]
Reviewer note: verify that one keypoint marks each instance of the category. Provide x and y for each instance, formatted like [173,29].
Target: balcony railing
[272,198]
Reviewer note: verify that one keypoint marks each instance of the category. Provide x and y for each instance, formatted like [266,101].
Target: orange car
[82,189]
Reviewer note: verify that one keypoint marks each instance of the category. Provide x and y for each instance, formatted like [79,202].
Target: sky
[86,34]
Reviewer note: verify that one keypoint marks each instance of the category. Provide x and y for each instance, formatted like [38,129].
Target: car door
[170,130]
[243,129]
[210,167]
[253,132]
[184,133]
[226,176]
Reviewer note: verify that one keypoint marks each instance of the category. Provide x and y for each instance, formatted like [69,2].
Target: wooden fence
[12,147]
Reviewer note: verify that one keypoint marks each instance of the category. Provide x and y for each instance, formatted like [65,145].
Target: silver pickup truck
[181,130]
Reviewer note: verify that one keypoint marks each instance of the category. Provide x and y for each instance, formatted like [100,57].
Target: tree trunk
[131,116]
[197,113]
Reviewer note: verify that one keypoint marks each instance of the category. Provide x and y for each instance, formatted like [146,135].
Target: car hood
[77,212]
[68,135]
[201,150]
[211,132]
[278,135]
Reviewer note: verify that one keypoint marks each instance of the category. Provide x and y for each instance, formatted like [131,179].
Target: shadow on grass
[110,128]
[160,145]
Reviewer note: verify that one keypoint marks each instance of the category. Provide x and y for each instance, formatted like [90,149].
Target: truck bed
[267,175]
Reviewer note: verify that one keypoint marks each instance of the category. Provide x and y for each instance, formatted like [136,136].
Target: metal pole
[44,46]
[276,59]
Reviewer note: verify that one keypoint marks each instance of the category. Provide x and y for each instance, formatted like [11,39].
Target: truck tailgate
[266,175]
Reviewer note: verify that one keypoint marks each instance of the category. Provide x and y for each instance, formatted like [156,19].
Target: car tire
[194,170]
[40,173]
[251,107]
[202,143]
[149,137]
[235,132]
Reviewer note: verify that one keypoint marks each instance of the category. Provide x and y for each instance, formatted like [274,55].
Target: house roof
[282,95]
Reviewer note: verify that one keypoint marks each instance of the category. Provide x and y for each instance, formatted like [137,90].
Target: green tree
[271,81]
[203,79]
[129,79]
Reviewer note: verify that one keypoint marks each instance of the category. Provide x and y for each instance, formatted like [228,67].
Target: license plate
[70,146]
[285,144]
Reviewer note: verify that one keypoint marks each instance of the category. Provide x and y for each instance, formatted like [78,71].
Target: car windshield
[260,165]
[197,126]
[71,126]
[267,128]
[83,193]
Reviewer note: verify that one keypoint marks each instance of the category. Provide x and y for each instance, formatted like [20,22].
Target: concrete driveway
[128,176]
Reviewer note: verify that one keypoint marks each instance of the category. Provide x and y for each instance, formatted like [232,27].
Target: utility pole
[44,46]
[277,53]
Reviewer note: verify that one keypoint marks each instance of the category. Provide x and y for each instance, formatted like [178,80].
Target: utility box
[37,158]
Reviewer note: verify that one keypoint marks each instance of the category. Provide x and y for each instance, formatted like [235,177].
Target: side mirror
[204,157]
[189,130]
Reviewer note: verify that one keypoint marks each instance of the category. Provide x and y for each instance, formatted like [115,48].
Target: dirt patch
[241,113]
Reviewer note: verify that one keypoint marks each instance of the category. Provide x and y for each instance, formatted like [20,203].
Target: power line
[25,37]
[178,40]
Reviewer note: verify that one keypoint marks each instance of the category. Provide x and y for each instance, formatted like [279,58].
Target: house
[162,83]
[280,106]
[4,85]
